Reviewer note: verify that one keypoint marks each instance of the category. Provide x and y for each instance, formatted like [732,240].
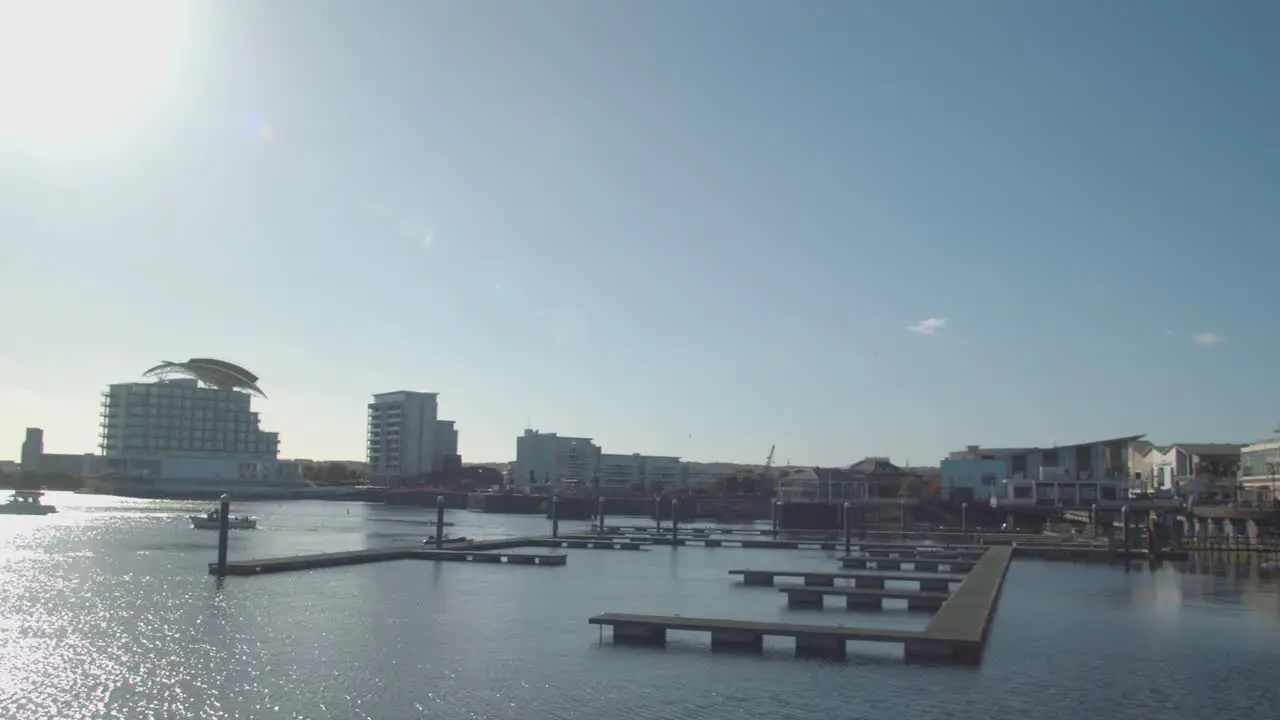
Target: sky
[843,228]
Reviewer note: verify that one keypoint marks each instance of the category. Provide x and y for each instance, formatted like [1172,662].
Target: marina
[867,579]
[809,596]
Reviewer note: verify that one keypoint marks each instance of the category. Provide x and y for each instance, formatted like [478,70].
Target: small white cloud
[928,326]
[1207,338]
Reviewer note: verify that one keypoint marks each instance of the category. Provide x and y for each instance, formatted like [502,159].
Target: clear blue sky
[695,228]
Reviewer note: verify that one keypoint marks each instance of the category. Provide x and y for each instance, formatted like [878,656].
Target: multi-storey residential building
[406,438]
[1069,475]
[188,435]
[636,474]
[32,450]
[547,459]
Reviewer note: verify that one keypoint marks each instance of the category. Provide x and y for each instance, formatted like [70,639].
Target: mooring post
[224,527]
[600,514]
[555,516]
[848,531]
[775,508]
[439,521]
[964,520]
[675,522]
[1093,518]
[1124,526]
[657,511]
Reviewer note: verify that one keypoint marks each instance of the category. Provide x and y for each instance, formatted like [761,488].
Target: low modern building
[406,438]
[1068,476]
[1201,470]
[1259,475]
[637,475]
[554,461]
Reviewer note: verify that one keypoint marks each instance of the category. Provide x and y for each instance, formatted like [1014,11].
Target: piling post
[600,514]
[657,511]
[964,518]
[439,522]
[555,516]
[776,510]
[1093,518]
[675,522]
[1124,526]
[224,520]
[848,531]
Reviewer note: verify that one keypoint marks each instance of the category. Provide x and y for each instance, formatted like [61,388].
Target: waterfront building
[554,461]
[1259,474]
[192,430]
[406,438]
[32,450]
[636,474]
[1069,475]
[871,481]
[1199,470]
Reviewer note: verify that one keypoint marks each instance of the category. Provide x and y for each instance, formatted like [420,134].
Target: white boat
[210,521]
[26,502]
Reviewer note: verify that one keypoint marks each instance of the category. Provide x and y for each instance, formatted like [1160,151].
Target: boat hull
[199,522]
[36,510]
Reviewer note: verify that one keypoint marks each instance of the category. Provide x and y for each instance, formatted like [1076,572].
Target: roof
[218,374]
[1208,448]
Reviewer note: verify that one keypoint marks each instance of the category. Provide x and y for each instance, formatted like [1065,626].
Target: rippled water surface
[108,613]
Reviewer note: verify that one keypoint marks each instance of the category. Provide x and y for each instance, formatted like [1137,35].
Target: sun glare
[73,72]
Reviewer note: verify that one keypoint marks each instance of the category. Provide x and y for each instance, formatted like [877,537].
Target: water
[109,614]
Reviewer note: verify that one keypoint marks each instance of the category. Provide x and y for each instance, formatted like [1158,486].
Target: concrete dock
[957,633]
[936,582]
[808,596]
[737,542]
[811,640]
[924,564]
[374,555]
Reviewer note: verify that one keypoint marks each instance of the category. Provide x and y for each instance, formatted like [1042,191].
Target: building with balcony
[1077,475]
[407,441]
[1199,470]
[1259,474]
[555,462]
[192,431]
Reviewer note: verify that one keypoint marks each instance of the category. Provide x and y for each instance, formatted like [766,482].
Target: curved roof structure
[218,374]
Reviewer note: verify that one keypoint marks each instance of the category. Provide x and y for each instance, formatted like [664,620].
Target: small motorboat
[431,540]
[211,521]
[26,502]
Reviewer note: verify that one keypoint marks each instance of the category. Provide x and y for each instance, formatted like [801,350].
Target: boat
[210,521]
[431,539]
[26,502]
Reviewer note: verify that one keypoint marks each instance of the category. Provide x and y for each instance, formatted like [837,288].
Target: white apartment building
[547,459]
[177,435]
[636,474]
[406,438]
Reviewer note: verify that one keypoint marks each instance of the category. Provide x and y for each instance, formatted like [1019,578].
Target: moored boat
[26,502]
[211,521]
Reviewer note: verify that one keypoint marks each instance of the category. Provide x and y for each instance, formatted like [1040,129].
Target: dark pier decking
[362,557]
[926,563]
[811,640]
[871,579]
[736,542]
[808,596]
[956,634]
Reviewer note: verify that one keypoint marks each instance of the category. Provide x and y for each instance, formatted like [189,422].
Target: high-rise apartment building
[32,450]
[406,438]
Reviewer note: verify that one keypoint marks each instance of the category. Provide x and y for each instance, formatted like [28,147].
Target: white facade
[636,474]
[1070,475]
[178,435]
[547,459]
[406,438]
[1259,475]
